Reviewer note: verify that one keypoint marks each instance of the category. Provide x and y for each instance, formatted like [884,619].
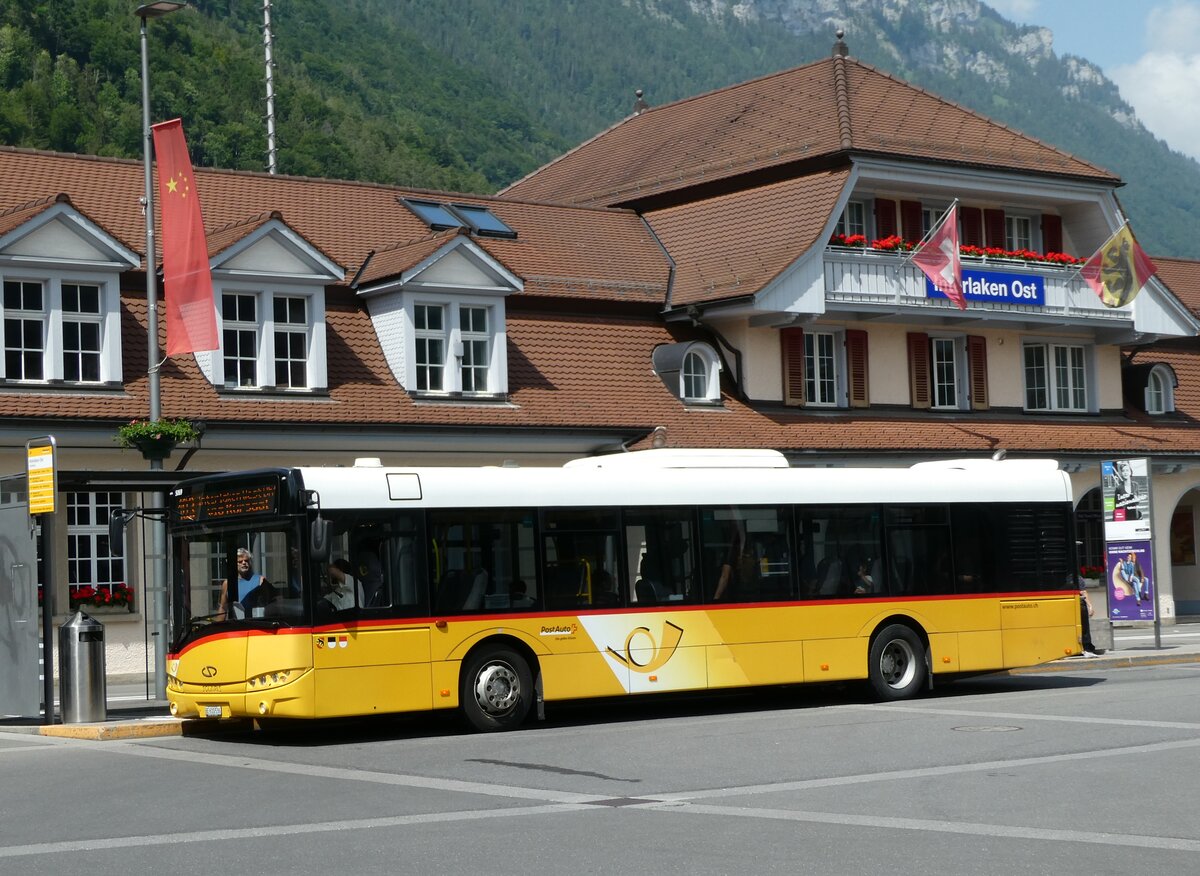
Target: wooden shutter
[856,367]
[972,226]
[977,366]
[1052,240]
[918,370]
[791,344]
[912,220]
[885,218]
[993,227]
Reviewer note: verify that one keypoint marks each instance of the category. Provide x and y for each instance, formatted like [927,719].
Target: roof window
[477,219]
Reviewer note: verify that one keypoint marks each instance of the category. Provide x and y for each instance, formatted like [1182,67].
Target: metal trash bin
[81,683]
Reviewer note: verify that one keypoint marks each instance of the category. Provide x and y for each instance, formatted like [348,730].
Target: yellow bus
[337,591]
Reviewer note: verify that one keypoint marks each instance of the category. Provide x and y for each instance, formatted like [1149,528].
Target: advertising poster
[1126,486]
[1130,581]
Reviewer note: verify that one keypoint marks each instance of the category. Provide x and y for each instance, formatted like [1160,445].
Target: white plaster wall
[887,365]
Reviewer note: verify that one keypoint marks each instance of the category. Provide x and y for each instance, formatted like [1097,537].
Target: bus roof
[626,482]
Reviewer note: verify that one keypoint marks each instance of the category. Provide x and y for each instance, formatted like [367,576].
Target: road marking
[243,762]
[1025,716]
[1174,844]
[203,836]
[917,773]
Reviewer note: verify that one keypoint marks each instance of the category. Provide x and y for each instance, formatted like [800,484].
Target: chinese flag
[1119,269]
[938,257]
[187,281]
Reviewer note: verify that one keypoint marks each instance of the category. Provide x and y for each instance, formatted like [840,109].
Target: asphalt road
[1091,771]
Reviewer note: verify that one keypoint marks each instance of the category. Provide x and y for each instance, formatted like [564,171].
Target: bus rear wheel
[497,689]
[896,667]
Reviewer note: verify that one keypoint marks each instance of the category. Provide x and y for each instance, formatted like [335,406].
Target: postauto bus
[495,590]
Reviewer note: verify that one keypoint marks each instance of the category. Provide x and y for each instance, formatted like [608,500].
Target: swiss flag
[938,258]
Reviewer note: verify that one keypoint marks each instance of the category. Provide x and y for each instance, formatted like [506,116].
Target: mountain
[471,94]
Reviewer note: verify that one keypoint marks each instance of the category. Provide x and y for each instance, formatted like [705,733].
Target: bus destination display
[219,502]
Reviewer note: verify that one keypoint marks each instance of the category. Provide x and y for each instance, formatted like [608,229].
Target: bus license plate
[212,711]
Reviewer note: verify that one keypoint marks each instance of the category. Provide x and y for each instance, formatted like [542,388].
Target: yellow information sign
[43,483]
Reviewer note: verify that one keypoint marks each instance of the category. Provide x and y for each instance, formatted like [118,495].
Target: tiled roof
[560,250]
[1182,277]
[834,106]
[733,245]
[394,260]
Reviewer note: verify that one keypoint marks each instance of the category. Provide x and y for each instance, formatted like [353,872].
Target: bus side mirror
[116,533]
[319,540]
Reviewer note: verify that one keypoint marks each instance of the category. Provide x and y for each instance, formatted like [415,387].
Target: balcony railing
[864,277]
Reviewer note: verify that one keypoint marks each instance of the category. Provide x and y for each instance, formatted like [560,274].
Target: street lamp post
[158,539]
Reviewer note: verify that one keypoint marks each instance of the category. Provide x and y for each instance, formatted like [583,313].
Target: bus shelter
[23,556]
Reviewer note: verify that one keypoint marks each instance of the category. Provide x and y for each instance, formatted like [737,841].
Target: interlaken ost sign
[997,287]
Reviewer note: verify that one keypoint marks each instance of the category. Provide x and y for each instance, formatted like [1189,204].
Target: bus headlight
[273,679]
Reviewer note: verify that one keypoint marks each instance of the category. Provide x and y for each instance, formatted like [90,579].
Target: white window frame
[476,345]
[700,374]
[948,395]
[849,224]
[1079,375]
[288,330]
[1160,391]
[266,328]
[52,318]
[456,344]
[427,341]
[831,377]
[90,561]
[1013,231]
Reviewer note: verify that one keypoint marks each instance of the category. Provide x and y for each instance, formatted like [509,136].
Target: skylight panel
[483,221]
[437,216]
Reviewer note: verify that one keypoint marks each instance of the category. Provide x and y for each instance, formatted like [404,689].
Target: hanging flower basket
[156,438]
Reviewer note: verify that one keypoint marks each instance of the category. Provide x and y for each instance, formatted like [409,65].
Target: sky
[1149,48]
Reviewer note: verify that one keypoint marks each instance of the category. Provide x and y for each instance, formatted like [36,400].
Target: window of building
[269,340]
[291,342]
[944,364]
[1055,377]
[60,329]
[473,328]
[1160,391]
[456,346]
[1018,233]
[825,368]
[820,369]
[25,321]
[82,327]
[429,324]
[948,372]
[239,317]
[853,219]
[92,561]
[477,218]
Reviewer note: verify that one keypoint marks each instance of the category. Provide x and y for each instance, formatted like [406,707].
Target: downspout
[694,312]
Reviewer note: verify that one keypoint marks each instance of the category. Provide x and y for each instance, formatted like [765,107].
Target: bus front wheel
[497,689]
[896,667]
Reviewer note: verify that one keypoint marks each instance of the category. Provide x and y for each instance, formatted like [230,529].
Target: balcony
[881,285]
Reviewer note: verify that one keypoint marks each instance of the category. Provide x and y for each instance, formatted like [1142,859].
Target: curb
[1073,664]
[147,728]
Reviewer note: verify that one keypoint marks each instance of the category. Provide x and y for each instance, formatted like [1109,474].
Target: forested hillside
[472,94]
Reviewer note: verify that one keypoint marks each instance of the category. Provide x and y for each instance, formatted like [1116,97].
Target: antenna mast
[268,48]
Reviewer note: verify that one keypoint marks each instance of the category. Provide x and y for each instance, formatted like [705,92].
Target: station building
[728,270]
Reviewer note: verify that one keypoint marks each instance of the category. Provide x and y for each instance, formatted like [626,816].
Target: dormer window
[267,338]
[692,371]
[60,330]
[1150,386]
[1160,394]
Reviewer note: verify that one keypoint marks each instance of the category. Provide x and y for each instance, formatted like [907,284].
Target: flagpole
[1079,270]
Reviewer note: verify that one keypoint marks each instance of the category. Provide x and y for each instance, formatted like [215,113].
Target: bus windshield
[241,577]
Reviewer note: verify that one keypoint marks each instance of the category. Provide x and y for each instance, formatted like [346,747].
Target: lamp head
[158,9]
